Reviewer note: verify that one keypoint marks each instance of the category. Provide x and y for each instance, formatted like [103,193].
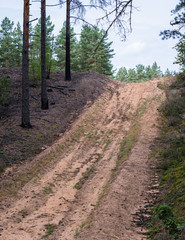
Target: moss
[127,144]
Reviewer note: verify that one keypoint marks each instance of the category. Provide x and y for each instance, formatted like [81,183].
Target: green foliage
[94,51]
[35,50]
[140,74]
[82,180]
[47,190]
[4,87]
[122,74]
[180,48]
[10,44]
[6,42]
[168,220]
[17,43]
[49,229]
[179,23]
[60,49]
[91,53]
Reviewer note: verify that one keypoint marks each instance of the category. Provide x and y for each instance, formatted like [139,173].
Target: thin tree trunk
[68,64]
[25,68]
[50,60]
[44,98]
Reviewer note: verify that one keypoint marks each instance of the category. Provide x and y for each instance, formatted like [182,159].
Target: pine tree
[91,57]
[140,69]
[60,49]
[149,73]
[156,72]
[122,74]
[17,45]
[180,48]
[6,47]
[132,75]
[141,73]
[167,72]
[179,24]
[35,49]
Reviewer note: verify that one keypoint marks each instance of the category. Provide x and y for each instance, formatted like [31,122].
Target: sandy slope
[92,147]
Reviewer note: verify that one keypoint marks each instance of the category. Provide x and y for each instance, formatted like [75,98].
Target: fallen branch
[34,97]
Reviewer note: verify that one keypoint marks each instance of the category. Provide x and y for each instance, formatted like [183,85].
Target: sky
[142,46]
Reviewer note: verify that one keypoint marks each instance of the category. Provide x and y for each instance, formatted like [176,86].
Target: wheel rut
[86,194]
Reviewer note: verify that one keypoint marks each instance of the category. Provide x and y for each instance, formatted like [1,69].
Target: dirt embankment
[98,175]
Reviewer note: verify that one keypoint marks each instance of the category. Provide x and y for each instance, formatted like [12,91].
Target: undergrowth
[168,214]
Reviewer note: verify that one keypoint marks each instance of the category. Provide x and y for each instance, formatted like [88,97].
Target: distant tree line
[141,73]
[84,55]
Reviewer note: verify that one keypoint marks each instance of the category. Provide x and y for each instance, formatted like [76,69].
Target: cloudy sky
[142,46]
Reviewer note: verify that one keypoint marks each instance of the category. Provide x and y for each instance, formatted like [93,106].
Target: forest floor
[85,170]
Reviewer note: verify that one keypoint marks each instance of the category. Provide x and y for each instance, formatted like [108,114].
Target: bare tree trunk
[68,64]
[25,68]
[48,72]
[44,98]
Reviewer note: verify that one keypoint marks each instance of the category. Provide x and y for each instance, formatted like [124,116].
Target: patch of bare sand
[52,200]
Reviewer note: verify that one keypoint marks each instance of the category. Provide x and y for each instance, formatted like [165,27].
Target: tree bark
[68,64]
[44,98]
[25,68]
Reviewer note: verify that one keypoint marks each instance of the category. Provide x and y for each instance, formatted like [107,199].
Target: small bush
[180,81]
[165,223]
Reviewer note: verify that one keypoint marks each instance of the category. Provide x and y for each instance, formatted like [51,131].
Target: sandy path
[88,162]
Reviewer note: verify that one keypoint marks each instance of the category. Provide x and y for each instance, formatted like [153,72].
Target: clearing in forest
[99,174]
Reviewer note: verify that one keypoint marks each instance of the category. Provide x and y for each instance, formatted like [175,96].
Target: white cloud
[132,48]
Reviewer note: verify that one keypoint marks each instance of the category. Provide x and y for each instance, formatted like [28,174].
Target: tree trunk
[44,98]
[25,68]
[68,64]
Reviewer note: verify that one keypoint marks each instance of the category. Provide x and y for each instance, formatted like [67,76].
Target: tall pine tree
[17,45]
[60,49]
[95,56]
[6,47]
[35,49]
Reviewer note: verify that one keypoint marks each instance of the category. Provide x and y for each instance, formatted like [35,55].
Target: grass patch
[47,190]
[107,143]
[93,136]
[79,133]
[76,233]
[104,190]
[50,228]
[84,177]
[85,223]
[127,144]
[163,86]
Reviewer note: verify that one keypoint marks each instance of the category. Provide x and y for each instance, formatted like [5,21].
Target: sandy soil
[84,194]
